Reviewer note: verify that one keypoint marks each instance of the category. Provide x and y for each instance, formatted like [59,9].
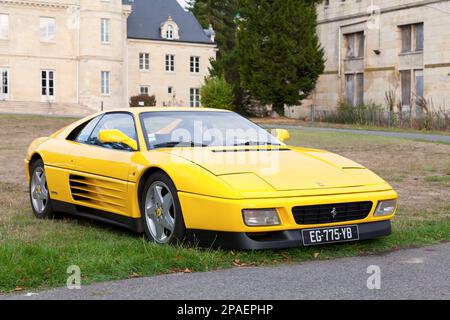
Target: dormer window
[169,33]
[170,30]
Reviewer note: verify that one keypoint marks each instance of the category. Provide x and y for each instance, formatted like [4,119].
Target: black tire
[47,210]
[179,232]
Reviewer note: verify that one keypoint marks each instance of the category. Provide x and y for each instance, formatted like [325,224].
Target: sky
[182,2]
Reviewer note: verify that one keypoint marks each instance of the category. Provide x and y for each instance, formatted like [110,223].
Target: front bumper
[225,215]
[273,240]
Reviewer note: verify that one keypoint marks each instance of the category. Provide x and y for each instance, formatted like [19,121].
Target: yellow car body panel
[213,192]
[226,215]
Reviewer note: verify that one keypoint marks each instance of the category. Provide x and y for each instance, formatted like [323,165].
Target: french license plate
[313,237]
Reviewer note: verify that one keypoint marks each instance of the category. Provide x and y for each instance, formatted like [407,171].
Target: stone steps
[43,108]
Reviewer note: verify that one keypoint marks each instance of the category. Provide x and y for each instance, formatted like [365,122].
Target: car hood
[279,169]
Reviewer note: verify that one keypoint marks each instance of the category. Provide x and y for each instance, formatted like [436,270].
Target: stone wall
[382,61]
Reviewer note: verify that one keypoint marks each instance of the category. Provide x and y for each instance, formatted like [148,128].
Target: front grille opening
[332,213]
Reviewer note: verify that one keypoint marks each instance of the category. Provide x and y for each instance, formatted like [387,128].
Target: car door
[101,172]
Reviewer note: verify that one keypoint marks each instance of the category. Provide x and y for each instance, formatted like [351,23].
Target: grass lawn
[293,122]
[36,254]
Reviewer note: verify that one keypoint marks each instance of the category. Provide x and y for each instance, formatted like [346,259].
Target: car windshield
[202,129]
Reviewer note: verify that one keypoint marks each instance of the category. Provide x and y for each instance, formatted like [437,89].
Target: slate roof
[148,15]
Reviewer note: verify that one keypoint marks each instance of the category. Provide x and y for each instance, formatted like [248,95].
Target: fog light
[261,217]
[386,208]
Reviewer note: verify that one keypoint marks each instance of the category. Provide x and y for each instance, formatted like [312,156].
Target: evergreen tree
[280,58]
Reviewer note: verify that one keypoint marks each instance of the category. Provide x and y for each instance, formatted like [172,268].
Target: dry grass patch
[16,134]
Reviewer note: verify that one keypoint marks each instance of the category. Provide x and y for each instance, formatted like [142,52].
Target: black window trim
[83,125]
[108,113]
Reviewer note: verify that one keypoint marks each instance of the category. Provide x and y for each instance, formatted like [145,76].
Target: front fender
[32,149]
[187,176]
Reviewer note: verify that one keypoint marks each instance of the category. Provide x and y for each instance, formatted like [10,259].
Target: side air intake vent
[100,193]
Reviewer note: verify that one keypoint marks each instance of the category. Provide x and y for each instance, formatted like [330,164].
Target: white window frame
[48,86]
[170,33]
[4,83]
[47,33]
[105,83]
[144,61]
[170,63]
[4,26]
[195,64]
[142,90]
[194,98]
[104,31]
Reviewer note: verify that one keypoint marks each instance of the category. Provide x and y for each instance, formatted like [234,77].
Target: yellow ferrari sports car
[208,177]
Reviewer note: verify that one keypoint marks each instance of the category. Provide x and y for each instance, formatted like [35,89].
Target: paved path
[404,135]
[408,274]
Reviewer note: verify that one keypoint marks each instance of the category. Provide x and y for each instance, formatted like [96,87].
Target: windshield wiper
[173,144]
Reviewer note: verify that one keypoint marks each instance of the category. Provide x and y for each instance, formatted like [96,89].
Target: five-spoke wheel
[39,194]
[161,210]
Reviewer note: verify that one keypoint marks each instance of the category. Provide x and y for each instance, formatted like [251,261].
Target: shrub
[142,100]
[368,114]
[371,114]
[217,93]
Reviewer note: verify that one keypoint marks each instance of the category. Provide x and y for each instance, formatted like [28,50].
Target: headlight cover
[386,208]
[261,217]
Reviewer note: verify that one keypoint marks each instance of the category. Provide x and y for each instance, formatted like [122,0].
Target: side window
[85,132]
[114,121]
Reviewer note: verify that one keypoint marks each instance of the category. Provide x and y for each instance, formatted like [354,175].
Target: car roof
[140,110]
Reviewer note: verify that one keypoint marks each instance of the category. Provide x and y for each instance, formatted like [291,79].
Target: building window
[355,45]
[195,64]
[170,63]
[104,31]
[4,83]
[170,90]
[48,29]
[195,98]
[48,84]
[419,36]
[4,26]
[169,30]
[105,82]
[144,61]
[419,86]
[412,37]
[412,88]
[169,33]
[405,79]
[354,89]
[144,90]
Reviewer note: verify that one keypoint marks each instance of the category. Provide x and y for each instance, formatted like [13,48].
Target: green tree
[280,56]
[222,16]
[217,93]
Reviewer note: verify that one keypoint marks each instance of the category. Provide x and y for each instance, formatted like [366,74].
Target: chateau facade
[81,56]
